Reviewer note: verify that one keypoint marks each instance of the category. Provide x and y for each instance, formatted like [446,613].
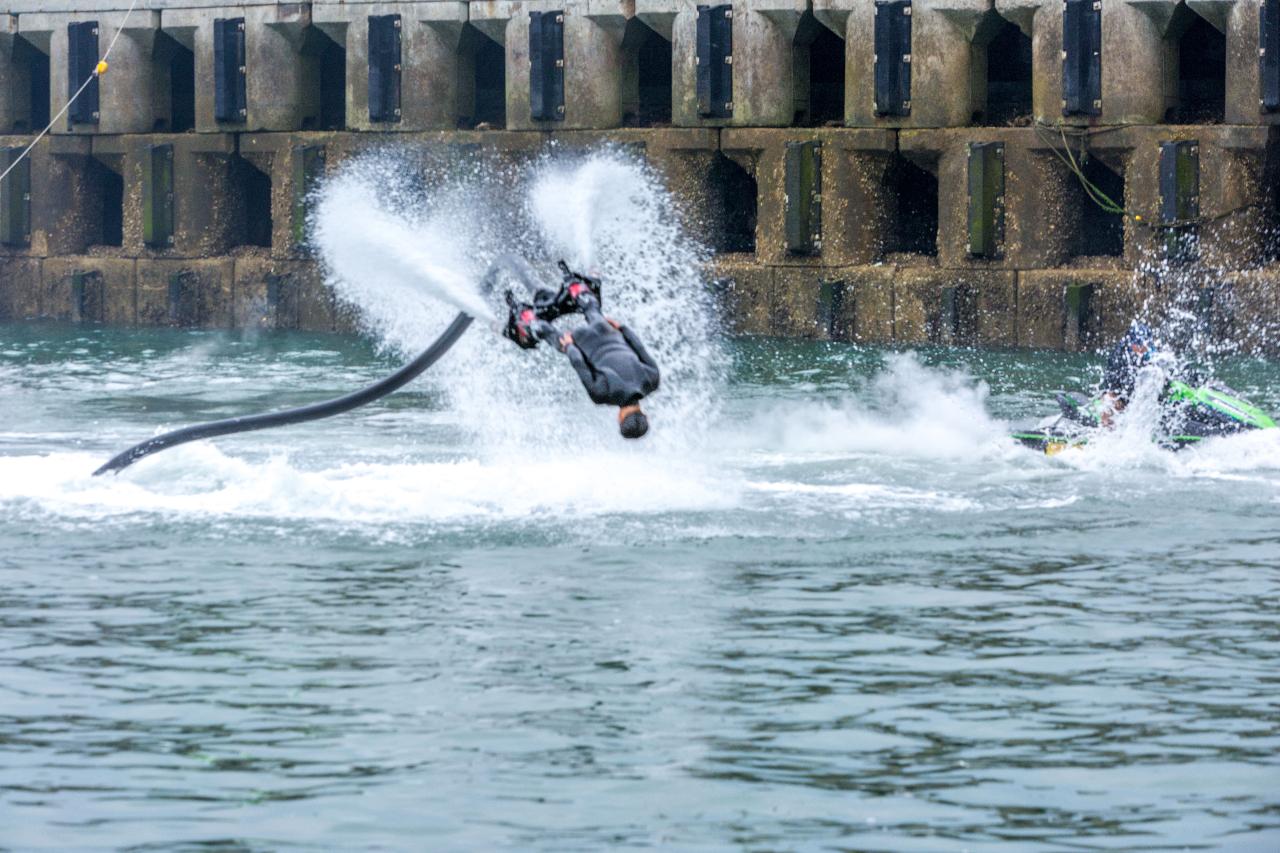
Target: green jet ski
[1190,414]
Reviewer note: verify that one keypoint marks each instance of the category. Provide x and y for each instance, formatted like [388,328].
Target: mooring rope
[98,71]
[1100,198]
[1095,194]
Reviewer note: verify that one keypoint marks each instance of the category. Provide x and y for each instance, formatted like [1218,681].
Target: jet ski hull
[1190,415]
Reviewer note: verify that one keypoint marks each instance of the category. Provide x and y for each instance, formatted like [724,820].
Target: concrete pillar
[593,58]
[15,79]
[295,162]
[1042,310]
[1239,20]
[281,82]
[66,206]
[270,293]
[763,73]
[1234,186]
[1133,82]
[36,30]
[430,33]
[1139,76]
[186,292]
[1237,173]
[1040,200]
[90,290]
[955,307]
[853,209]
[13,83]
[19,288]
[852,162]
[127,93]
[208,218]
[764,85]
[942,32]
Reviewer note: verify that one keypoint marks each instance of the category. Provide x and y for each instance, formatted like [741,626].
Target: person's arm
[634,343]
[1112,405]
[597,384]
[653,376]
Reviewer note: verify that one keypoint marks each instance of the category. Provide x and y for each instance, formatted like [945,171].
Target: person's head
[1141,341]
[631,421]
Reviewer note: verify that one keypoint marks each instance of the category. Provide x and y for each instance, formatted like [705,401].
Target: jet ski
[1190,413]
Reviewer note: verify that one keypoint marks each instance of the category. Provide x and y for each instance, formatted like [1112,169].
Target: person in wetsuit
[609,358]
[1127,357]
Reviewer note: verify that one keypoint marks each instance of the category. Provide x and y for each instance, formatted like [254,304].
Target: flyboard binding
[547,305]
[1190,413]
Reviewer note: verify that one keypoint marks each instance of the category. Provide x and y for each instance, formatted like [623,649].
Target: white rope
[72,99]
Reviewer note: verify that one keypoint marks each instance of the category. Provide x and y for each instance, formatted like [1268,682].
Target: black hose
[315,411]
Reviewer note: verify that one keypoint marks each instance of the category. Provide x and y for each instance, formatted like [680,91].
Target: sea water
[827,603]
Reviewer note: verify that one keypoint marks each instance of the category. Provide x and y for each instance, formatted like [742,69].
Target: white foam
[198,480]
[868,495]
[907,410]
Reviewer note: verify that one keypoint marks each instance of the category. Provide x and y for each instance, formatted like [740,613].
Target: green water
[842,612]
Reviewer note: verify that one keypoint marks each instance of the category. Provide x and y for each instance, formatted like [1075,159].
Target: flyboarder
[1127,357]
[612,363]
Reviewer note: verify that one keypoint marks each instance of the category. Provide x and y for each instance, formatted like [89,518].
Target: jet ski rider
[1127,357]
[612,363]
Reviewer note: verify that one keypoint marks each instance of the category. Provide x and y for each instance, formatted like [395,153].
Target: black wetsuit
[613,365]
[1122,370]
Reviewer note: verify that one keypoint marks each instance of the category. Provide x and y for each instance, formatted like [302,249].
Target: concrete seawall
[879,172]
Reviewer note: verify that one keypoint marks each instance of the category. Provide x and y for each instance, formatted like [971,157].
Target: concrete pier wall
[886,172]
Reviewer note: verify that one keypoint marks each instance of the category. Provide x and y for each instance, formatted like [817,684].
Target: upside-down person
[612,363]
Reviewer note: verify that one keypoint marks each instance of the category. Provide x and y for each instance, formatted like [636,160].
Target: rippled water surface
[841,612]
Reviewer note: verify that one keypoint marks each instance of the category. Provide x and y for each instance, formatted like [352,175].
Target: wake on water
[406,245]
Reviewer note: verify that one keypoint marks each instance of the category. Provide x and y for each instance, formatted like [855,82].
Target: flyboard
[1189,414]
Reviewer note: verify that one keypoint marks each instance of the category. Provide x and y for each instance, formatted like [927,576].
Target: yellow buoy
[101,69]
